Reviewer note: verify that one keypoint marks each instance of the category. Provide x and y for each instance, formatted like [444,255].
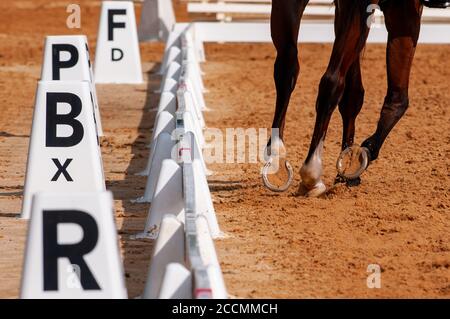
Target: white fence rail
[435,26]
[316,9]
[317,32]
[182,217]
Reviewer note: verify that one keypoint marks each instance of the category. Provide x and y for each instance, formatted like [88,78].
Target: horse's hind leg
[285,24]
[350,105]
[403,23]
[350,40]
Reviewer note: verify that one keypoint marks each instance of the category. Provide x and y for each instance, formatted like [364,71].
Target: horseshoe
[269,185]
[364,152]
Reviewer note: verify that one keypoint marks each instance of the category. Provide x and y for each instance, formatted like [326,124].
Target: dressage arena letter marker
[112,24]
[66,58]
[57,64]
[53,119]
[72,248]
[64,155]
[116,54]
[62,169]
[117,58]
[74,252]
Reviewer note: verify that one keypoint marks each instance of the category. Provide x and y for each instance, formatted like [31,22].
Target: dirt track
[278,245]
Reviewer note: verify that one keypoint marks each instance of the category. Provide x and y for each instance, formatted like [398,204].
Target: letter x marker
[62,169]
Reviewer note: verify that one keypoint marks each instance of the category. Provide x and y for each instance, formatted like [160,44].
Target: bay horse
[341,85]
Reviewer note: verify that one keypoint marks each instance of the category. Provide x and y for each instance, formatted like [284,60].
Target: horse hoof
[277,173]
[352,162]
[316,191]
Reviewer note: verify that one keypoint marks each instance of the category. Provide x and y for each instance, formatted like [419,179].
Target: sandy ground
[289,246]
[276,245]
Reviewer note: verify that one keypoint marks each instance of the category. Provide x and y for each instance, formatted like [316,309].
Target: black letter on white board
[57,64]
[74,252]
[62,169]
[114,25]
[54,119]
[114,56]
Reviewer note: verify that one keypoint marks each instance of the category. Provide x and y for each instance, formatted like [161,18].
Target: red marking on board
[203,293]
[181,150]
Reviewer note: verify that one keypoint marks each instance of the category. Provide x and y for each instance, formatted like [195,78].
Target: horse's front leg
[403,23]
[351,34]
[285,23]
